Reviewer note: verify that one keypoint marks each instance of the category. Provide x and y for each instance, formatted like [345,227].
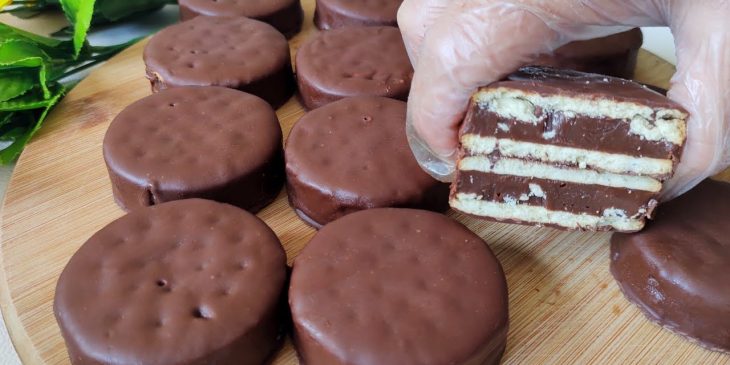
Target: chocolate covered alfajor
[567,149]
[353,61]
[614,55]
[676,270]
[195,142]
[352,155]
[186,282]
[284,15]
[332,14]
[234,52]
[398,287]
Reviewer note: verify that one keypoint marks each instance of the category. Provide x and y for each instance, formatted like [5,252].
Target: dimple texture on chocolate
[398,286]
[234,52]
[331,14]
[353,154]
[353,61]
[195,142]
[284,15]
[676,269]
[186,282]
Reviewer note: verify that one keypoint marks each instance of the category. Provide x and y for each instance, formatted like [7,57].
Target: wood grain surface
[564,306]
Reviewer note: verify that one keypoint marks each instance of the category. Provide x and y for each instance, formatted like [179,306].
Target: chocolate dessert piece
[567,149]
[331,14]
[186,282]
[233,52]
[676,270]
[284,15]
[614,55]
[398,287]
[195,142]
[353,61]
[352,155]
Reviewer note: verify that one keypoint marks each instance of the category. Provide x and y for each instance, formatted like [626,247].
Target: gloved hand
[459,45]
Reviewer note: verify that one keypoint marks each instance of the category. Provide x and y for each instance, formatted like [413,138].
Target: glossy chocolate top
[676,270]
[192,138]
[171,284]
[367,11]
[356,61]
[221,51]
[247,8]
[550,81]
[398,286]
[355,151]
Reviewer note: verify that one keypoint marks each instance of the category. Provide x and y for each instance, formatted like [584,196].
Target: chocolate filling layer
[556,195]
[605,135]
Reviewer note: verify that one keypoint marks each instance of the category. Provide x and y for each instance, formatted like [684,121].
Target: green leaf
[54,48]
[11,33]
[14,83]
[20,56]
[20,126]
[32,99]
[79,13]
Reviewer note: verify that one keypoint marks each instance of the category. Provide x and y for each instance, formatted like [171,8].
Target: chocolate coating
[169,285]
[614,55]
[353,61]
[604,134]
[558,195]
[601,134]
[398,286]
[550,81]
[676,269]
[195,142]
[284,15]
[352,155]
[331,14]
[238,53]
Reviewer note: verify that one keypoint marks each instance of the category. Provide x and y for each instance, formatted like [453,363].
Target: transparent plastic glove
[458,45]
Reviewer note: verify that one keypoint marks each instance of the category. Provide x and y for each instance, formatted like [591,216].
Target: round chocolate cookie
[398,286]
[353,61]
[676,270]
[331,14]
[285,15]
[614,55]
[195,142]
[186,282]
[233,52]
[352,155]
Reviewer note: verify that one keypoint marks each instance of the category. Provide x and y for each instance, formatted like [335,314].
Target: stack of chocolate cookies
[567,149]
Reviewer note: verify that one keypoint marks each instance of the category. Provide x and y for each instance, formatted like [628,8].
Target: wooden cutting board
[564,305]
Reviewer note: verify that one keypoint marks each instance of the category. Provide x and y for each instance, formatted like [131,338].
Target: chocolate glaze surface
[331,14]
[604,134]
[167,285]
[558,195]
[550,81]
[284,15]
[398,286]
[237,53]
[352,155]
[353,61]
[206,142]
[614,55]
[676,270]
